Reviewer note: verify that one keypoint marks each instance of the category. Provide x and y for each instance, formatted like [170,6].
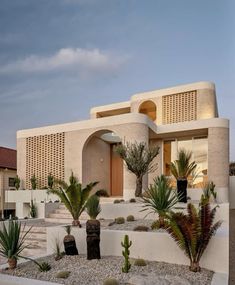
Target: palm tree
[193,231]
[181,169]
[139,160]
[160,198]
[73,196]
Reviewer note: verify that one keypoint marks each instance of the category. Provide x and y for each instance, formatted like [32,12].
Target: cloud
[82,60]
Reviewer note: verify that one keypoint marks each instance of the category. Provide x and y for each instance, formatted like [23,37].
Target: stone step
[38,235]
[59,220]
[35,229]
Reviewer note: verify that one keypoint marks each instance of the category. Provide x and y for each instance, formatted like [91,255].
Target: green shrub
[132,200]
[130,218]
[141,228]
[17,182]
[122,200]
[93,206]
[140,262]
[63,274]
[33,181]
[120,220]
[111,281]
[33,210]
[102,193]
[116,201]
[44,266]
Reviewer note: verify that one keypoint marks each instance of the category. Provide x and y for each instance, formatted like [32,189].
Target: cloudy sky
[58,58]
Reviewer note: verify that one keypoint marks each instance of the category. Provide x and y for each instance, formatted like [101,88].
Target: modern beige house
[182,116]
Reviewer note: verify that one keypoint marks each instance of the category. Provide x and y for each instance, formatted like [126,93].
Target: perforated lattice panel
[180,107]
[44,155]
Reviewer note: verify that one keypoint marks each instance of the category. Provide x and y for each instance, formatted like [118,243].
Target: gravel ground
[94,272]
[127,225]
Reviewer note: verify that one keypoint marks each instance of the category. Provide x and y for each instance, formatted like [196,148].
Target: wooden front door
[116,171]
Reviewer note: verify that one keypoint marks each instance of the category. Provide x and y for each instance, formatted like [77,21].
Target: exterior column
[2,192]
[218,161]
[134,133]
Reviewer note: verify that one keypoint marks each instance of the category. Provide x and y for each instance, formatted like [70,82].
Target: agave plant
[181,169]
[160,198]
[73,196]
[12,241]
[193,231]
[208,192]
[93,207]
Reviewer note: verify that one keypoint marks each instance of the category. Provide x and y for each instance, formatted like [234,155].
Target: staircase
[35,241]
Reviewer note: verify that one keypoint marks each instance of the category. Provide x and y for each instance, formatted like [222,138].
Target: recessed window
[11,182]
[149,108]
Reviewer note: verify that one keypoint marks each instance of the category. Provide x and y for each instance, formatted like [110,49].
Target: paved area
[232,248]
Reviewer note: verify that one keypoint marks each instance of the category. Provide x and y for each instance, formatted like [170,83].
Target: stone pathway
[232,248]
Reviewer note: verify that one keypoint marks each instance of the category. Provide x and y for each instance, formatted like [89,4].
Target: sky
[59,58]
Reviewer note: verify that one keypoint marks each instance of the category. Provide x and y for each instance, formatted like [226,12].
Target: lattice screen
[44,155]
[181,107]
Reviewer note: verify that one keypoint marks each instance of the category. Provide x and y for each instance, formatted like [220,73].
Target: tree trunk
[93,239]
[182,190]
[138,189]
[161,221]
[12,262]
[194,266]
[70,247]
[76,223]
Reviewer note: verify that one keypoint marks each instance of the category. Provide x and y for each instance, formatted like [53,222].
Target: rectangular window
[11,182]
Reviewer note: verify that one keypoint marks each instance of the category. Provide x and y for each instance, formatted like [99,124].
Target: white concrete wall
[148,245]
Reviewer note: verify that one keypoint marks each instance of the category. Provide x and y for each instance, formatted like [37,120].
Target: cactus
[126,252]
[130,218]
[120,220]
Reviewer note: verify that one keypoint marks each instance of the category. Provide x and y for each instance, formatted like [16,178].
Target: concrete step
[59,220]
[35,229]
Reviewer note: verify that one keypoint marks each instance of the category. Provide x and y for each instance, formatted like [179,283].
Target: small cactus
[126,252]
[44,266]
[111,281]
[116,201]
[132,200]
[130,218]
[120,220]
[140,262]
[63,274]
[141,228]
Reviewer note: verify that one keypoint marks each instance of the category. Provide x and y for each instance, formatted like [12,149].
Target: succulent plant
[116,201]
[63,274]
[141,228]
[126,252]
[44,266]
[111,281]
[140,262]
[132,200]
[130,218]
[120,220]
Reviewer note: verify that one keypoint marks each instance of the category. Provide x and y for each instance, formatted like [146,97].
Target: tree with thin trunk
[138,157]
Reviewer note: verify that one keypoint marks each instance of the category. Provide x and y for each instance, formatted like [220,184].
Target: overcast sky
[59,58]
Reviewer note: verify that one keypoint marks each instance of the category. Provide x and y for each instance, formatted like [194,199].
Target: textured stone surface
[153,279]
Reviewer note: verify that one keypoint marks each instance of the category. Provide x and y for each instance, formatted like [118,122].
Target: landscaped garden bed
[94,272]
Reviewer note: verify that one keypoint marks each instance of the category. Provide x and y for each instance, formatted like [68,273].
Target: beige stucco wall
[218,160]
[158,160]
[206,104]
[21,161]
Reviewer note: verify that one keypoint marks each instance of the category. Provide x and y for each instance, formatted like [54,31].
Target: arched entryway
[149,108]
[101,163]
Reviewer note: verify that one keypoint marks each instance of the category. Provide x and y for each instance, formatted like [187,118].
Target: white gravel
[94,272]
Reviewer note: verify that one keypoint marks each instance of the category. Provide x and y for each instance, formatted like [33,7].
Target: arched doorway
[149,108]
[101,163]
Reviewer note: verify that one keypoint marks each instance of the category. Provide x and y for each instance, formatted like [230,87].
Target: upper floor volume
[184,103]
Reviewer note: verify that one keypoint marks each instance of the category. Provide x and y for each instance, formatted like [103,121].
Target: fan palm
[181,169]
[73,196]
[160,198]
[12,239]
[193,231]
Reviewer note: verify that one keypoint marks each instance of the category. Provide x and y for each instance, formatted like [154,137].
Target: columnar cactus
[126,252]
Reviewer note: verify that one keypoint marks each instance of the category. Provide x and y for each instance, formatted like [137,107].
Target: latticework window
[44,155]
[181,107]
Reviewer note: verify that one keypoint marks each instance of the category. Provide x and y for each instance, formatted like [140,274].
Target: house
[172,118]
[7,173]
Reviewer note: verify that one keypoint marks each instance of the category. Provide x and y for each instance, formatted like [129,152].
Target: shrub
[33,181]
[63,274]
[140,262]
[116,201]
[102,193]
[33,210]
[44,266]
[141,228]
[130,218]
[193,231]
[57,251]
[12,241]
[161,198]
[208,192]
[132,200]
[17,182]
[111,281]
[93,206]
[120,220]
[122,200]
[50,181]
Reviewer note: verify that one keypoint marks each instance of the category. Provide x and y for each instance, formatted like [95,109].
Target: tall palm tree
[73,196]
[139,160]
[181,169]
[193,231]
